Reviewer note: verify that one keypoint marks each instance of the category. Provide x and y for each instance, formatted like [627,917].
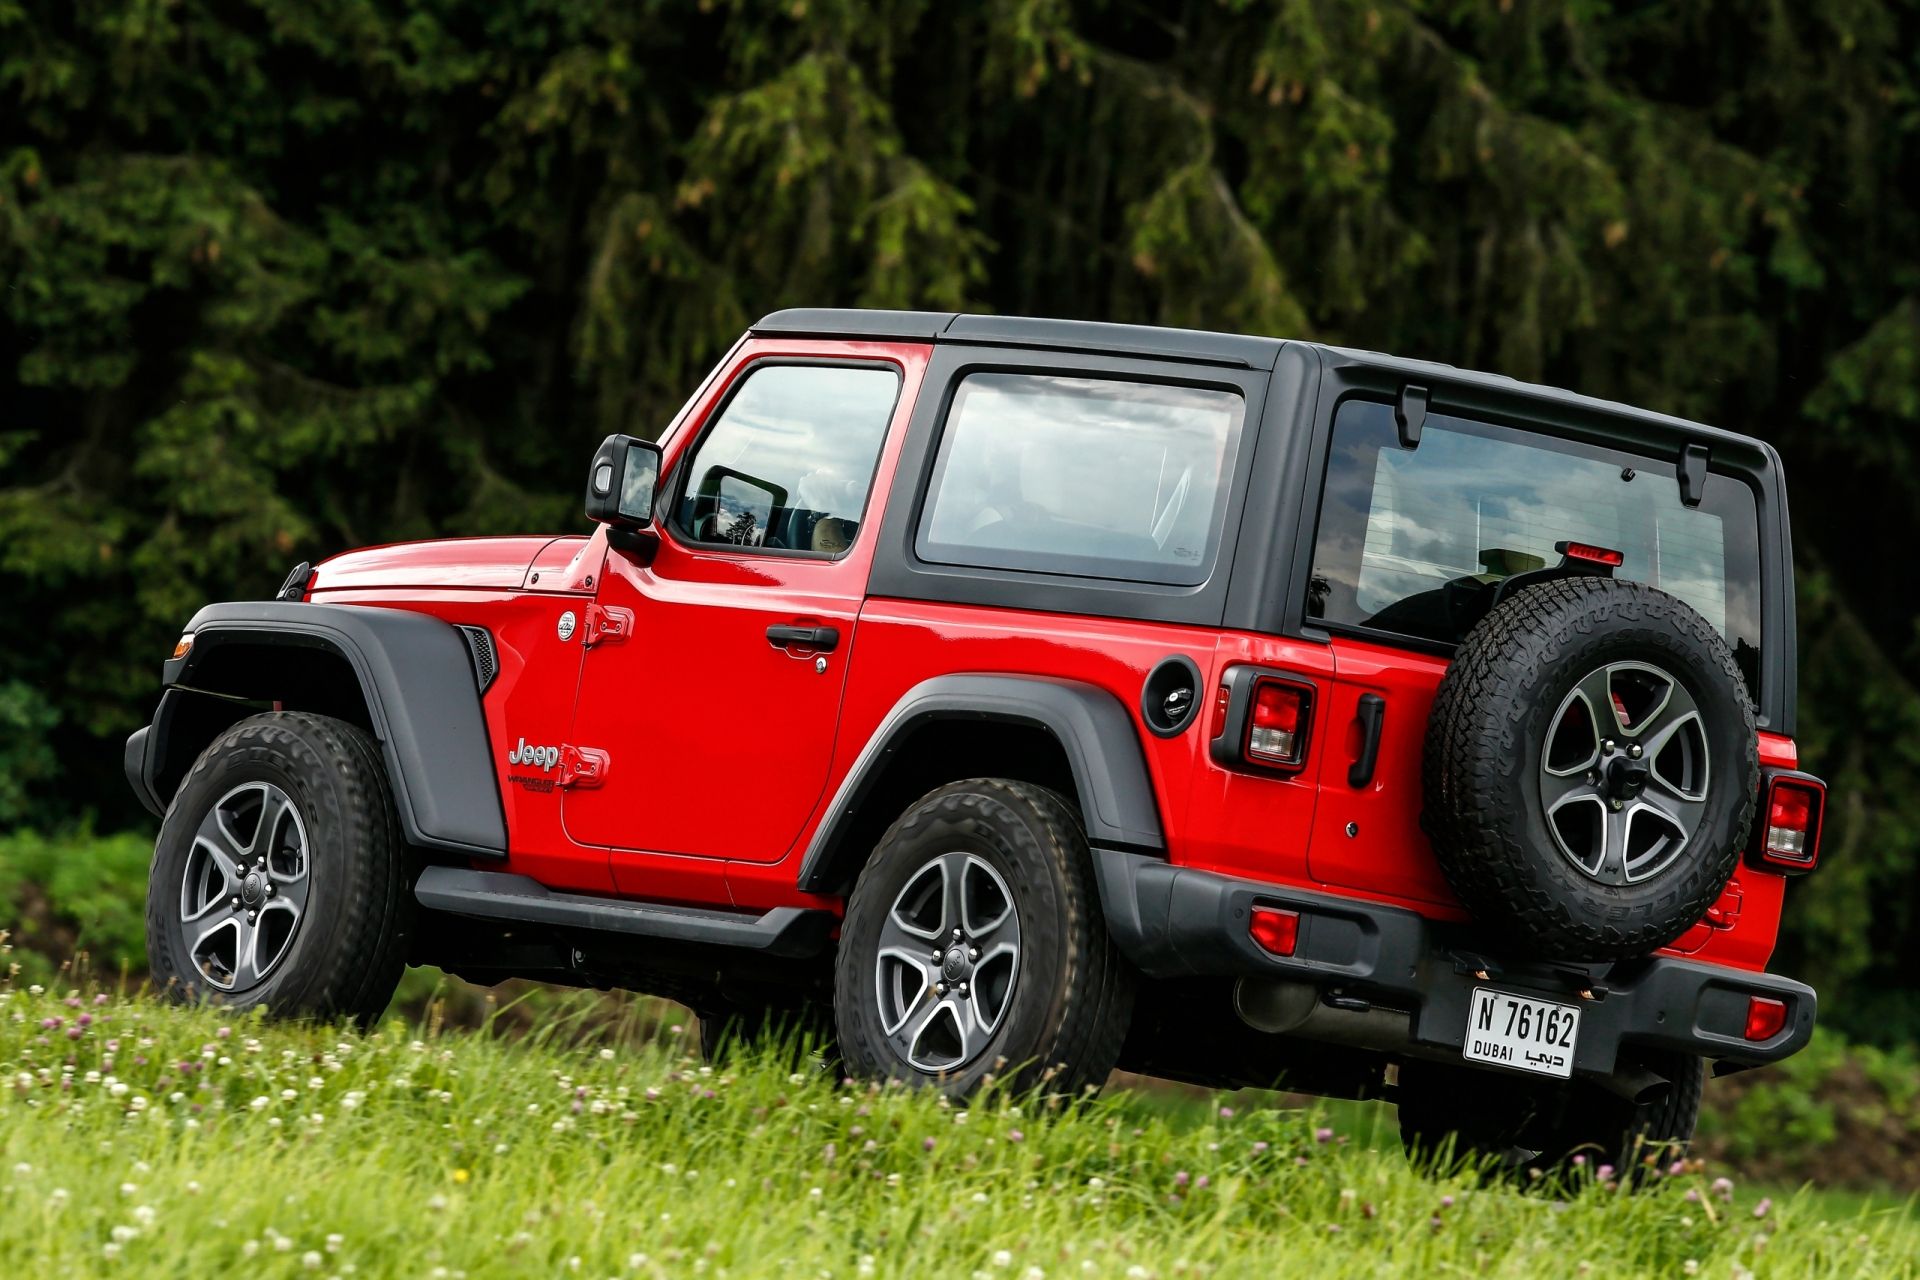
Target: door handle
[819,639]
[1372,715]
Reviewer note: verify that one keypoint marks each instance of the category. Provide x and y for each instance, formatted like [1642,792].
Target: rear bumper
[1181,922]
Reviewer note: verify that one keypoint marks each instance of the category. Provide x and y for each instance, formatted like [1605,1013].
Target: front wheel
[974,946]
[280,876]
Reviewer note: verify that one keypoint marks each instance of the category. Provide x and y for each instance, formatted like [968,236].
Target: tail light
[1273,731]
[1766,1018]
[1786,835]
[1275,931]
[1262,718]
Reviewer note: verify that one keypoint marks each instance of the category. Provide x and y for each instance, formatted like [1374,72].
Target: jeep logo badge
[566,626]
[542,757]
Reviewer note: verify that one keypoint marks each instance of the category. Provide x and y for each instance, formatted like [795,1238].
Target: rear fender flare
[1093,727]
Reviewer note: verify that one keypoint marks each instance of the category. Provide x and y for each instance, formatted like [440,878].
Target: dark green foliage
[286,276]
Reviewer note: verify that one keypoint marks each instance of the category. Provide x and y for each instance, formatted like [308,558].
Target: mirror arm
[639,544]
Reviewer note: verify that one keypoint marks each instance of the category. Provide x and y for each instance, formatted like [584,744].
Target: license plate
[1528,1035]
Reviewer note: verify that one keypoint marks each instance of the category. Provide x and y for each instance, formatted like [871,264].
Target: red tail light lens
[1766,1017]
[1275,931]
[1789,820]
[1276,728]
[1788,835]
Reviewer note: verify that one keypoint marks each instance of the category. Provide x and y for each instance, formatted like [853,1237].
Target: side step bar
[499,895]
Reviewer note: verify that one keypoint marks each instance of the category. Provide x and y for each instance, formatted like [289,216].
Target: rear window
[1414,541]
[1091,477]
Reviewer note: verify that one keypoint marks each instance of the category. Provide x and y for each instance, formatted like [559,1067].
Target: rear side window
[1414,541]
[787,464]
[1091,477]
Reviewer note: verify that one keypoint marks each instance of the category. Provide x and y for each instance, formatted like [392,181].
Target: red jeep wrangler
[1041,697]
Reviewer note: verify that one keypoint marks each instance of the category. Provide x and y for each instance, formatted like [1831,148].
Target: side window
[1093,477]
[788,462]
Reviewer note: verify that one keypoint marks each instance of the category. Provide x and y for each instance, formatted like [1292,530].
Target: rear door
[710,690]
[1412,547]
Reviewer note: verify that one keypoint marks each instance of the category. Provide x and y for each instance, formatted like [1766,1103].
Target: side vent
[486,664]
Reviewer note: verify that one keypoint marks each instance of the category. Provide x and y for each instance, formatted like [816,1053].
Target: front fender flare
[1093,727]
[422,701]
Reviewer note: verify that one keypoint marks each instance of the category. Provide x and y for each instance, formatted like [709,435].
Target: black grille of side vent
[486,664]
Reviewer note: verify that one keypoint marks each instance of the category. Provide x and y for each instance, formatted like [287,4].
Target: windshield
[1415,541]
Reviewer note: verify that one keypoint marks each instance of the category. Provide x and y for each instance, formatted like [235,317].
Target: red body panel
[475,563]
[702,715]
[722,753]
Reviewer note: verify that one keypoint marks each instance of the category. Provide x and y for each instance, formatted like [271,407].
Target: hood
[484,564]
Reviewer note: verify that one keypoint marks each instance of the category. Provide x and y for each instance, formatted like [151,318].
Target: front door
[710,687]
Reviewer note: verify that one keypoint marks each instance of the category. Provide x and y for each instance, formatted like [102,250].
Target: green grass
[161,1141]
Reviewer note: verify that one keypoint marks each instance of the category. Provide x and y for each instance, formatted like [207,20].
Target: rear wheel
[1511,1125]
[280,877]
[974,946]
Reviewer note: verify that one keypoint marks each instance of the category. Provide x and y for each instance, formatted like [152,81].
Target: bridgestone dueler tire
[347,954]
[1510,1124]
[1073,997]
[1489,728]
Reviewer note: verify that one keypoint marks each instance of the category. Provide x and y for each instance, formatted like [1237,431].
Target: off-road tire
[1071,1001]
[1510,1126]
[348,951]
[1484,746]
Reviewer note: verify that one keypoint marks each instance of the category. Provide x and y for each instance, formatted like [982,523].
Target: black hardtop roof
[1197,345]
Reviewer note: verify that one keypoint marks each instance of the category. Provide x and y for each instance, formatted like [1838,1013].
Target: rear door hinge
[582,767]
[607,624]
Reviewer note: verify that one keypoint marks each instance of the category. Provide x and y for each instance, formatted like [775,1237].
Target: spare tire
[1590,769]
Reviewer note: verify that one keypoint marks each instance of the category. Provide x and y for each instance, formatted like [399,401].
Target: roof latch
[1410,414]
[1693,474]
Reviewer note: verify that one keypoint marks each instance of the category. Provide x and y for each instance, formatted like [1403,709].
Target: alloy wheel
[1623,772]
[948,959]
[244,891]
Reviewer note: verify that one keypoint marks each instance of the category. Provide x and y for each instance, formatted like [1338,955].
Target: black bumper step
[499,895]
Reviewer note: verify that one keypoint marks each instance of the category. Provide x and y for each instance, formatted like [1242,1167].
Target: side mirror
[621,483]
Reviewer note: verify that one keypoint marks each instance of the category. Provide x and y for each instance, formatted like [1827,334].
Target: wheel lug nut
[1608,746]
[939,988]
[1636,751]
[956,935]
[973,953]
